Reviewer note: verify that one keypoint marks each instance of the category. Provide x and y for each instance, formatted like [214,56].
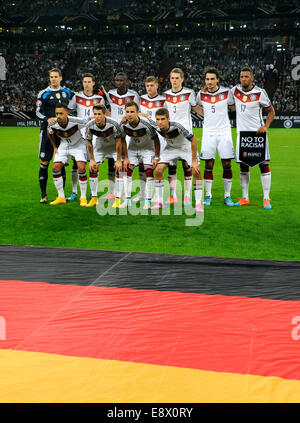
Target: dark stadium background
[103,36]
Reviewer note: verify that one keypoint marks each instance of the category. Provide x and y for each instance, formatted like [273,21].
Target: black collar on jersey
[165,130]
[213,92]
[151,98]
[177,92]
[64,127]
[101,127]
[136,124]
[247,90]
[123,93]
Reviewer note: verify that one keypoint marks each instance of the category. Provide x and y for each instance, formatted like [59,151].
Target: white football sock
[245,180]
[94,184]
[74,180]
[83,184]
[266,184]
[159,185]
[227,187]
[59,184]
[172,181]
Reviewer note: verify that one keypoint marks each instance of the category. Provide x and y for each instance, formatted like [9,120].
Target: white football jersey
[215,107]
[179,105]
[84,104]
[176,136]
[118,102]
[150,105]
[70,134]
[249,105]
[104,136]
[140,136]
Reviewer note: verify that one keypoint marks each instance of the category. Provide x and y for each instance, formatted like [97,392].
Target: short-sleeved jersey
[118,102]
[47,101]
[84,104]
[215,107]
[71,133]
[106,135]
[149,105]
[249,105]
[179,105]
[141,136]
[177,136]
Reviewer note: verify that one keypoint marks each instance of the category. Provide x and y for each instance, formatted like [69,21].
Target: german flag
[104,327]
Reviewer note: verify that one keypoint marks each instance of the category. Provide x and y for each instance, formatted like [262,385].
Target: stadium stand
[28,65]
[36,36]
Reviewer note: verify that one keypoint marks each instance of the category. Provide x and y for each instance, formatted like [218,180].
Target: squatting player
[45,111]
[216,135]
[107,142]
[181,145]
[72,144]
[249,102]
[117,98]
[143,147]
[83,104]
[150,102]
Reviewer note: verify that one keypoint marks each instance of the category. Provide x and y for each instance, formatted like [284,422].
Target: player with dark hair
[45,111]
[216,135]
[117,98]
[250,100]
[83,104]
[150,102]
[107,142]
[72,144]
[143,147]
[181,145]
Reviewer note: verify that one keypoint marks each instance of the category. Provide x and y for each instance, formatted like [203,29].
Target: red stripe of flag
[207,332]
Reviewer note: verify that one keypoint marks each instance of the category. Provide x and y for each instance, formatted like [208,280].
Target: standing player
[179,102]
[72,144]
[83,103]
[150,102]
[143,147]
[45,111]
[181,145]
[108,143]
[216,136]
[249,102]
[117,98]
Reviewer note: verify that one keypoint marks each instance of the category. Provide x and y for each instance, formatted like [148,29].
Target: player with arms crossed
[108,143]
[249,102]
[83,104]
[45,111]
[216,136]
[181,145]
[72,144]
[179,102]
[117,98]
[143,147]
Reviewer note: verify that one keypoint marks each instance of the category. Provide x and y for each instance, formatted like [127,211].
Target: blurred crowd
[151,8]
[28,66]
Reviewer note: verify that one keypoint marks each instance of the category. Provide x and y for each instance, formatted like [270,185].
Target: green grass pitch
[246,232]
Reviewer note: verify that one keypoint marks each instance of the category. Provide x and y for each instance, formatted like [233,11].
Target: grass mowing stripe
[247,232]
